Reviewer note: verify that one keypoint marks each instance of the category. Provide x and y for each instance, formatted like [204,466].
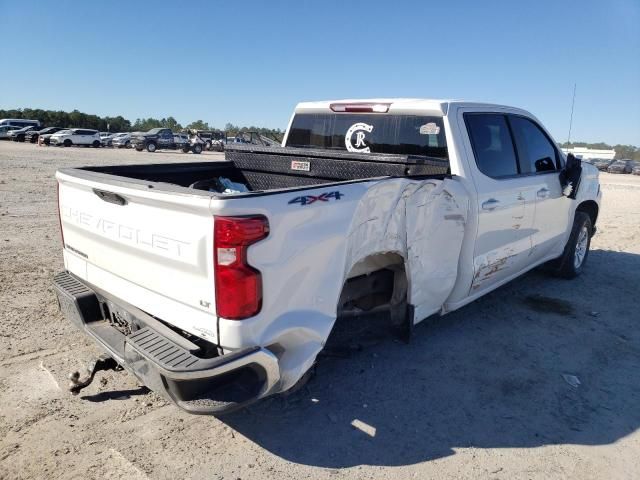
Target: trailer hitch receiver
[103,362]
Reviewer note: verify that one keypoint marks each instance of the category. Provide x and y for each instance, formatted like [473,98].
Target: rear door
[152,249]
[82,137]
[506,200]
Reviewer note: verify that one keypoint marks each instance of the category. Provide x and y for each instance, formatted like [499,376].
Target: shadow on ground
[115,395]
[487,376]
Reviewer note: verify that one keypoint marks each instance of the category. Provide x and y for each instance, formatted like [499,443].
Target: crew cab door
[165,137]
[505,200]
[540,160]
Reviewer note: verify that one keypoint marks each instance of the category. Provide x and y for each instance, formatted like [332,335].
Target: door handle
[543,193]
[490,204]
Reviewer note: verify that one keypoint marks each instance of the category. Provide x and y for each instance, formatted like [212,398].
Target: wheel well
[373,305]
[381,275]
[590,208]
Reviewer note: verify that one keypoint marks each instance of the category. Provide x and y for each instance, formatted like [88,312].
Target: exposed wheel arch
[378,284]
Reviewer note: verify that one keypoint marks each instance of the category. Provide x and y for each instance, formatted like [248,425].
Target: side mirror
[570,176]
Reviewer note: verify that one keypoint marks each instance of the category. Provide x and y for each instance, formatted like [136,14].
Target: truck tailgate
[152,249]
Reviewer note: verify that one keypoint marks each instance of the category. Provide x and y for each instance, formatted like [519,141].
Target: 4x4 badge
[323,197]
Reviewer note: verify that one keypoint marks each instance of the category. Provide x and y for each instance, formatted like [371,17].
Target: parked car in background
[211,138]
[106,139]
[19,135]
[621,166]
[33,135]
[5,130]
[601,163]
[76,136]
[45,138]
[164,138]
[20,122]
[121,140]
[636,168]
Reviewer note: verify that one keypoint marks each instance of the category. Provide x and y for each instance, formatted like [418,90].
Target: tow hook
[103,362]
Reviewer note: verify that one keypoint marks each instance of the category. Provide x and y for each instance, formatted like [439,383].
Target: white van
[19,122]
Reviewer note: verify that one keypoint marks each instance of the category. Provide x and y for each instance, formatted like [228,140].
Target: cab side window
[492,144]
[535,151]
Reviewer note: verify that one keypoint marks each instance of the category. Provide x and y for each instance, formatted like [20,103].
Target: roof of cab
[428,106]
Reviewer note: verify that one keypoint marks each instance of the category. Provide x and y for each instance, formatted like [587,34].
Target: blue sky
[251,62]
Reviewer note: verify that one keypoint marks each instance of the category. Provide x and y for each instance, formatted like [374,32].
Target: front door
[540,159]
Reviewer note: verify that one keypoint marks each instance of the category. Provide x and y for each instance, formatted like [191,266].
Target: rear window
[370,133]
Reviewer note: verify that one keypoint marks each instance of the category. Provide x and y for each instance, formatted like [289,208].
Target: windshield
[153,131]
[370,133]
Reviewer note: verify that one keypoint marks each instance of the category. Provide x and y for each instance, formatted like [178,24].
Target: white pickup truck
[218,283]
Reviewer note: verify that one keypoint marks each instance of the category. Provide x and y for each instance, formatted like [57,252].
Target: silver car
[621,166]
[121,140]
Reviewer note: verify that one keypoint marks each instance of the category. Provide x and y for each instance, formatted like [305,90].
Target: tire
[127,144]
[95,144]
[185,149]
[197,149]
[139,149]
[571,263]
[151,147]
[67,143]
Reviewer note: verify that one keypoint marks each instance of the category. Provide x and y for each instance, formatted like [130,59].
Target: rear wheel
[197,148]
[139,149]
[127,144]
[67,143]
[575,254]
[151,147]
[185,149]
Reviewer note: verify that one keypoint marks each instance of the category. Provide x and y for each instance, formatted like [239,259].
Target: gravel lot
[476,394]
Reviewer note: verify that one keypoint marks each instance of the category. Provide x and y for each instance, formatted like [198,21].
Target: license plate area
[118,317]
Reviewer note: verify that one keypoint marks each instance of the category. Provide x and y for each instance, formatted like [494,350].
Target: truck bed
[274,168]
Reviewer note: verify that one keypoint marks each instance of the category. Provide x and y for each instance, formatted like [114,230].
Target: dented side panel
[313,249]
[422,222]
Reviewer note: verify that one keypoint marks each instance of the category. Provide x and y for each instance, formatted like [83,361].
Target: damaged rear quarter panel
[311,251]
[421,221]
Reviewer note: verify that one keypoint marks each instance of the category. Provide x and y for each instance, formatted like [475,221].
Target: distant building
[586,153]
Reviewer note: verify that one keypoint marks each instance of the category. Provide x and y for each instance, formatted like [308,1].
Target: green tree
[198,125]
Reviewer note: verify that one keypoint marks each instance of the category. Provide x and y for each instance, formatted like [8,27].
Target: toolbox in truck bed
[332,164]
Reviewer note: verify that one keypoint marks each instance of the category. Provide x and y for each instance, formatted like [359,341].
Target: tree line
[77,119]
[622,151]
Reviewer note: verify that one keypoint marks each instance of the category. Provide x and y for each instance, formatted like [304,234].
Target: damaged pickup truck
[219,283]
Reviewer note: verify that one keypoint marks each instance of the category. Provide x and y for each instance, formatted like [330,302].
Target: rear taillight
[238,285]
[59,213]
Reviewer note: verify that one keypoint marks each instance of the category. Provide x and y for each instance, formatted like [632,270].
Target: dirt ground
[478,393]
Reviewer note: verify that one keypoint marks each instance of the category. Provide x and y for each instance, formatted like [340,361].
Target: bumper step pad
[162,351]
